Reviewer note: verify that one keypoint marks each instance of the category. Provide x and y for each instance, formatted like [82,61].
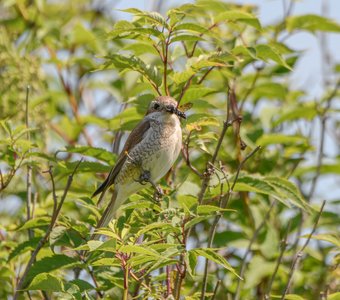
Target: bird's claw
[144,178]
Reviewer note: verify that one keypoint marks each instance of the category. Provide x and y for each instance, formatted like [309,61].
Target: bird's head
[165,104]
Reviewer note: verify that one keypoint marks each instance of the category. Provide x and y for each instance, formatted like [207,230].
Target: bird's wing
[135,137]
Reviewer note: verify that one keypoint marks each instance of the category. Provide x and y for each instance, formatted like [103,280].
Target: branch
[322,140]
[185,153]
[283,247]
[165,63]
[29,168]
[299,254]
[45,238]
[223,204]
[244,259]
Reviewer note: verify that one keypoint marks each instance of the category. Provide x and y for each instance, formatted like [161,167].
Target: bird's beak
[174,110]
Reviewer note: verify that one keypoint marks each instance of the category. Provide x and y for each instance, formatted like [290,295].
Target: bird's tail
[109,213]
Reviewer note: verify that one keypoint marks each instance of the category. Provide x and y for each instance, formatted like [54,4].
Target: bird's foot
[158,194]
[144,178]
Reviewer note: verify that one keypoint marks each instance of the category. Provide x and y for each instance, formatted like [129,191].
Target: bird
[149,152]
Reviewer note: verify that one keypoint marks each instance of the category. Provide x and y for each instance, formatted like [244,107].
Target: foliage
[233,215]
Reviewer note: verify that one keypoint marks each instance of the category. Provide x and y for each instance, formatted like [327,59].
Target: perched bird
[148,154]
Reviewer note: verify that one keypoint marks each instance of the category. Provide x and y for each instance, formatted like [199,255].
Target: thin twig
[186,156]
[215,289]
[299,254]
[165,63]
[205,75]
[244,258]
[223,204]
[283,247]
[322,140]
[29,168]
[44,239]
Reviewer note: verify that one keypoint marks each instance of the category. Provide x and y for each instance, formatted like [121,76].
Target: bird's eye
[156,106]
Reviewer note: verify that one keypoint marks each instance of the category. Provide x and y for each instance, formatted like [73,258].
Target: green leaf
[287,190]
[107,261]
[83,285]
[288,297]
[312,23]
[270,90]
[181,77]
[239,15]
[306,111]
[46,282]
[195,221]
[208,209]
[215,257]
[266,53]
[186,37]
[191,262]
[335,296]
[325,169]
[268,139]
[98,153]
[29,245]
[36,222]
[327,237]
[48,264]
[136,64]
[191,27]
[84,167]
[277,187]
[187,202]
[139,48]
[153,16]
[138,249]
[165,227]
[194,93]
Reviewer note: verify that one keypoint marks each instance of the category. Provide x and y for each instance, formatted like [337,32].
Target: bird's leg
[145,177]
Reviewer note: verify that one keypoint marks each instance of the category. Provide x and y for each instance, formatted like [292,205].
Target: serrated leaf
[46,282]
[186,37]
[84,167]
[191,262]
[29,245]
[82,285]
[277,187]
[324,169]
[234,15]
[330,238]
[304,111]
[268,139]
[195,221]
[208,209]
[36,222]
[215,257]
[191,27]
[107,261]
[335,296]
[195,93]
[288,190]
[165,227]
[48,264]
[138,249]
[312,23]
[136,64]
[99,153]
[266,53]
[180,77]
[288,297]
[270,90]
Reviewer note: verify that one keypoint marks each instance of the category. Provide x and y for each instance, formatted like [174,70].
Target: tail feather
[107,215]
